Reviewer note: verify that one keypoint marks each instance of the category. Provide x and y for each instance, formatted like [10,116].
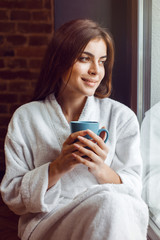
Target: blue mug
[84,125]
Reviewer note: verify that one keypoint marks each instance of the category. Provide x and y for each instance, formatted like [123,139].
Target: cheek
[78,70]
[81,66]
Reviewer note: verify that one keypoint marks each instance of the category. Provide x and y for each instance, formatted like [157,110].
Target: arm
[97,153]
[126,165]
[24,188]
[29,185]
[127,161]
[65,161]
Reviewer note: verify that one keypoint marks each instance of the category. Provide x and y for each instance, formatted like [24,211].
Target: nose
[94,68]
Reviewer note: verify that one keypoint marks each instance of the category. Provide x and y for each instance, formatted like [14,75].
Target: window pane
[150,128]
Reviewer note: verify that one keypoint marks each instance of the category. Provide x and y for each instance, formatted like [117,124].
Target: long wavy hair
[67,44]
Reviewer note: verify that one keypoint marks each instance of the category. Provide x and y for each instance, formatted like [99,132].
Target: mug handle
[103,130]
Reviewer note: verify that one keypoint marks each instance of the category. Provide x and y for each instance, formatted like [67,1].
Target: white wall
[155,59]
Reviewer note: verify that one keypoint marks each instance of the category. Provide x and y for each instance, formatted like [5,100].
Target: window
[148,107]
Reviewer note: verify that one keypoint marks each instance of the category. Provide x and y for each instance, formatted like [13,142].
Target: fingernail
[79,136]
[76,145]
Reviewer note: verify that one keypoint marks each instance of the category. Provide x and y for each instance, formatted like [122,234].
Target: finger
[72,137]
[72,163]
[68,148]
[87,152]
[93,146]
[79,153]
[97,139]
[85,161]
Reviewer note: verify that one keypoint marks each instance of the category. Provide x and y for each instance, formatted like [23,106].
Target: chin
[90,94]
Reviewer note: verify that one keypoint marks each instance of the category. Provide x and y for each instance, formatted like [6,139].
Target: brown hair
[65,47]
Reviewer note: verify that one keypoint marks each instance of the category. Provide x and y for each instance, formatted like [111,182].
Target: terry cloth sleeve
[24,186]
[127,160]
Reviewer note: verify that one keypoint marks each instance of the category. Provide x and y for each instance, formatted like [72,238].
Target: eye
[84,59]
[102,62]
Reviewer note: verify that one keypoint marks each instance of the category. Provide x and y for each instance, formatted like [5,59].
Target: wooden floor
[8,223]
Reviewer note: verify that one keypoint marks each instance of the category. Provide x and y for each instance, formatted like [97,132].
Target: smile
[89,80]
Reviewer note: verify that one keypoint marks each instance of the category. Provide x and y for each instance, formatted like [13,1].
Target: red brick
[42,15]
[24,98]
[7,74]
[2,143]
[28,75]
[4,120]
[34,28]
[1,40]
[20,15]
[5,51]
[13,107]
[35,63]
[6,27]
[36,4]
[19,86]
[1,63]
[2,163]
[38,40]
[47,4]
[8,98]
[2,157]
[37,52]
[3,108]
[3,15]
[16,63]
[3,132]
[3,86]
[34,83]
[29,4]
[21,74]
[16,39]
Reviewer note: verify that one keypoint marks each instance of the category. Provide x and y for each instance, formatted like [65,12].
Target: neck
[71,108]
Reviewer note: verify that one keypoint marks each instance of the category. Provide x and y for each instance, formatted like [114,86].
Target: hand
[95,155]
[65,161]
[96,152]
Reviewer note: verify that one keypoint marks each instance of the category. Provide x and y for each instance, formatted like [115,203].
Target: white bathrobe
[77,207]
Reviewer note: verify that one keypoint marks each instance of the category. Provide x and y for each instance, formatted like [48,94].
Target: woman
[58,193]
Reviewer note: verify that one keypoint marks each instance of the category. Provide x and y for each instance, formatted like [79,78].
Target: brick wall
[25,29]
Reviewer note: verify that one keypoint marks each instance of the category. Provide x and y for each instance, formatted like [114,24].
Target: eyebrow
[91,55]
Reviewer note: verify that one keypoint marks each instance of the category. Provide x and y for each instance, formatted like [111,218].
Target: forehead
[96,46]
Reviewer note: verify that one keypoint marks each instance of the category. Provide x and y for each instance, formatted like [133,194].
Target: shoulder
[28,111]
[117,115]
[114,107]
[26,117]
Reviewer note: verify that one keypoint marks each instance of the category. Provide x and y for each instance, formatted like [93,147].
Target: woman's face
[88,70]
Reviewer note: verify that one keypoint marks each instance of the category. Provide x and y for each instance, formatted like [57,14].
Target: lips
[89,80]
